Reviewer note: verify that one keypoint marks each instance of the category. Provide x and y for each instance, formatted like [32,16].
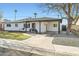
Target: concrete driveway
[55,42]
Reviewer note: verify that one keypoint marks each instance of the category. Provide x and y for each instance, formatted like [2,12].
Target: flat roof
[35,19]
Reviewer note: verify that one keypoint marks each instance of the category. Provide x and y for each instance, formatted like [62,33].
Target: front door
[64,28]
[33,25]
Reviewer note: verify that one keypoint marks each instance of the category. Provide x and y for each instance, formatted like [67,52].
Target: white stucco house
[38,25]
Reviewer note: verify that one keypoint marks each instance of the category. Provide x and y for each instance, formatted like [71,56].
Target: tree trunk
[69,26]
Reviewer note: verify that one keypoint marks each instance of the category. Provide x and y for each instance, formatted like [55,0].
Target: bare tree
[70,10]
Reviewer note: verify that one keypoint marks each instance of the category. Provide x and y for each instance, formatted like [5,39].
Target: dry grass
[13,35]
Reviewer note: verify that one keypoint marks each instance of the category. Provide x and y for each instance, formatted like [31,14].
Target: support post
[26,27]
[39,27]
[59,27]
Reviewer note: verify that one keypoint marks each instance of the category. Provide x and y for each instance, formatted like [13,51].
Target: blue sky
[23,10]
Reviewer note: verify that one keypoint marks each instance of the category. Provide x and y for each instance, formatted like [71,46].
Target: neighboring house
[38,25]
[1,25]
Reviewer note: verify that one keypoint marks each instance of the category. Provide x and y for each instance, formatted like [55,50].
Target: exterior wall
[37,26]
[60,26]
[51,27]
[20,26]
[48,26]
[13,28]
[44,27]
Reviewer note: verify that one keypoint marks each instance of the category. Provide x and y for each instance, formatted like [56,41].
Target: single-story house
[38,25]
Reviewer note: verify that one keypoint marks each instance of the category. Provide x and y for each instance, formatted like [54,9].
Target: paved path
[46,42]
[40,44]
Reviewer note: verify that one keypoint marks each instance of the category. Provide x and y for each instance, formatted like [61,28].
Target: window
[54,25]
[27,25]
[16,25]
[8,25]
